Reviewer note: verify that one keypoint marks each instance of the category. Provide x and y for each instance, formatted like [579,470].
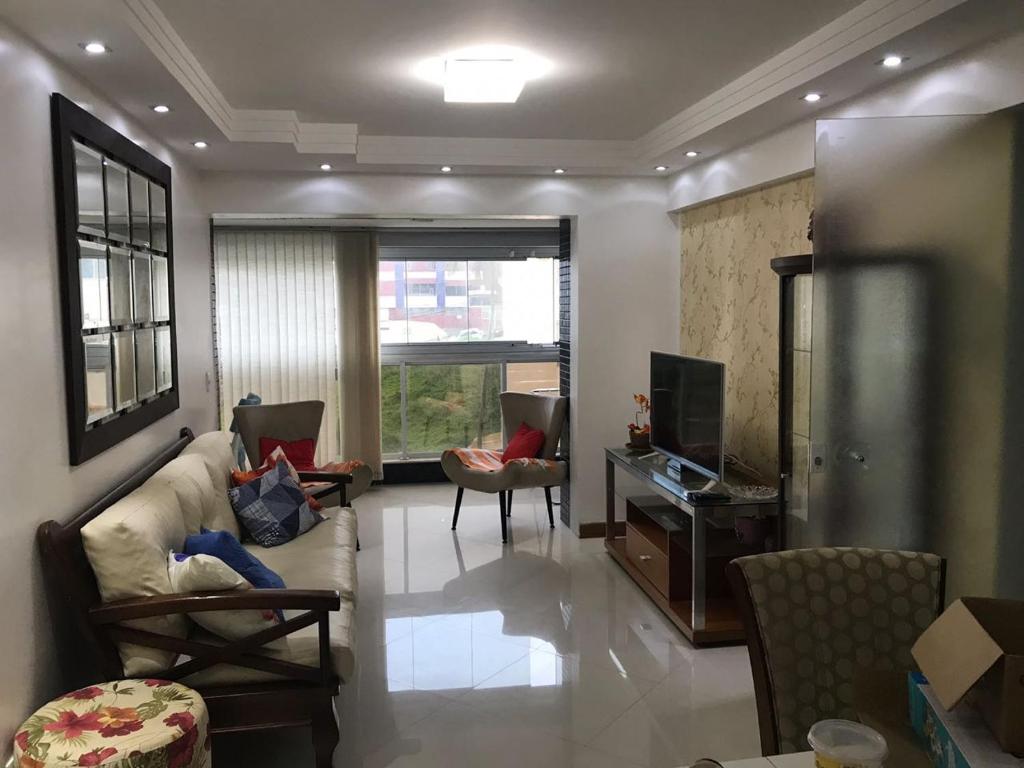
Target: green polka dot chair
[813,617]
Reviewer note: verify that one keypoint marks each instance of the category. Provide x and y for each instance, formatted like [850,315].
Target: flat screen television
[687,412]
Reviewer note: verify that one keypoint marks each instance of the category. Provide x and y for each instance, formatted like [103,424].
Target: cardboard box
[977,646]
[958,739]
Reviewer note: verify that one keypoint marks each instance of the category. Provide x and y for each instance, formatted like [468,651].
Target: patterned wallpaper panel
[730,303]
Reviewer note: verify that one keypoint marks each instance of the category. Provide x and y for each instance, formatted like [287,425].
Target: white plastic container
[846,744]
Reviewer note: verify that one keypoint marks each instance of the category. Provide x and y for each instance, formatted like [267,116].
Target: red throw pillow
[299,452]
[526,443]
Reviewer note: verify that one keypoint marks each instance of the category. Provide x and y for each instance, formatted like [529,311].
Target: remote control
[707,496]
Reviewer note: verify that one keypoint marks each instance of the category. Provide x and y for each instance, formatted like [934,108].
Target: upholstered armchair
[301,421]
[482,469]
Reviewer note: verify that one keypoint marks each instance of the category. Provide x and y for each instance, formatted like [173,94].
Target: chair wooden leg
[551,510]
[458,506]
[502,513]
[508,505]
[325,734]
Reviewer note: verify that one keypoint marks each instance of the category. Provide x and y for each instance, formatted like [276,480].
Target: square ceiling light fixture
[483,81]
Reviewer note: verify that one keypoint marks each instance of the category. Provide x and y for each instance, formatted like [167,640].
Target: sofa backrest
[71,584]
[215,450]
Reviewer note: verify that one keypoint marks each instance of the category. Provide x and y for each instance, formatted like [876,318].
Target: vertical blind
[276,315]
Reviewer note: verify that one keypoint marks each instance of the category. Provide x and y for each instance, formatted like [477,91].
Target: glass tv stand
[676,549]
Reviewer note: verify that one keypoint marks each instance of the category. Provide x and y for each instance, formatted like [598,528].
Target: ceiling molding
[264,125]
[853,34]
[867,26]
[571,153]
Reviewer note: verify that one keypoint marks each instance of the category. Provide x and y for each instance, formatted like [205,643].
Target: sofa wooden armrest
[316,600]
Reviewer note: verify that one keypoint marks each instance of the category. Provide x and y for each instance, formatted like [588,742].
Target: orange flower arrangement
[640,430]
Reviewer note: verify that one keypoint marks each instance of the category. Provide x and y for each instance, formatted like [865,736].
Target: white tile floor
[538,653]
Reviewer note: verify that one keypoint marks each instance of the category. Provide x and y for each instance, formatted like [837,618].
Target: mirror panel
[124,370]
[142,287]
[161,294]
[92,277]
[120,274]
[89,188]
[163,358]
[158,216]
[145,370]
[116,180]
[99,394]
[139,188]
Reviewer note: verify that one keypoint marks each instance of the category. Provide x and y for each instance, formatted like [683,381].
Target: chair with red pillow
[295,427]
[534,424]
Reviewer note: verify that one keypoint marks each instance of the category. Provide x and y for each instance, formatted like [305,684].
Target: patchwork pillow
[205,573]
[242,476]
[273,508]
[299,452]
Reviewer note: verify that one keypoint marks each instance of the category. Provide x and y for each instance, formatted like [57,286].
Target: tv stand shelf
[676,549]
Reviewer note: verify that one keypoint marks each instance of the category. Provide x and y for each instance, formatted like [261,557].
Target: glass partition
[917,283]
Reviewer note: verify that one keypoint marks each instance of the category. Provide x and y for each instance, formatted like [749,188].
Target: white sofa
[127,546]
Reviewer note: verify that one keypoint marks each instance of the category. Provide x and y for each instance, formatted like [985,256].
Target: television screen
[687,411]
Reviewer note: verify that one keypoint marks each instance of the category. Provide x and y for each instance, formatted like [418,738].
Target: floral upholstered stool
[124,724]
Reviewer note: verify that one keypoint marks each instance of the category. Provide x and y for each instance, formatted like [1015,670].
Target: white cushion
[189,478]
[215,449]
[303,647]
[127,547]
[321,558]
[206,573]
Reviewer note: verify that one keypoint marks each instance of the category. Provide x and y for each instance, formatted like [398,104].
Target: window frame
[500,353]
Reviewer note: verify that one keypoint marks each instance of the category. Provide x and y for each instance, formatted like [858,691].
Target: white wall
[976,81]
[625,268]
[38,483]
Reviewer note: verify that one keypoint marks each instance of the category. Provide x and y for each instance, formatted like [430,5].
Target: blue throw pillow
[226,547]
[273,508]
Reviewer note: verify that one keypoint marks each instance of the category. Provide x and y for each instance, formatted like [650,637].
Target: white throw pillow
[206,573]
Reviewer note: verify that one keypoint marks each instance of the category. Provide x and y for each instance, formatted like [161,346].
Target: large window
[450,301]
[454,334]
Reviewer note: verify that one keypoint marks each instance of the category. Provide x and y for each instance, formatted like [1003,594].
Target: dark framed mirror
[116,252]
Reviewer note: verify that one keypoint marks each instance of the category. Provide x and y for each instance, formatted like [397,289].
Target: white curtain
[277,323]
[356,267]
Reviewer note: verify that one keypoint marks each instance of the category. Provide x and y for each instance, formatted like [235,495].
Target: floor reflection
[541,652]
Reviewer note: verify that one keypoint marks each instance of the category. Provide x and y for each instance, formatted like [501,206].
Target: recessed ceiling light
[812,97]
[325,166]
[95,47]
[692,153]
[446,169]
[559,171]
[161,108]
[483,81]
[661,168]
[199,144]
[892,61]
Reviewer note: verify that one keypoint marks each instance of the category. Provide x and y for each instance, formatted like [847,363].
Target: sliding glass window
[454,334]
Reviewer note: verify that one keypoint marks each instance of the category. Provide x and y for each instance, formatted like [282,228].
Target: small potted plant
[640,430]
